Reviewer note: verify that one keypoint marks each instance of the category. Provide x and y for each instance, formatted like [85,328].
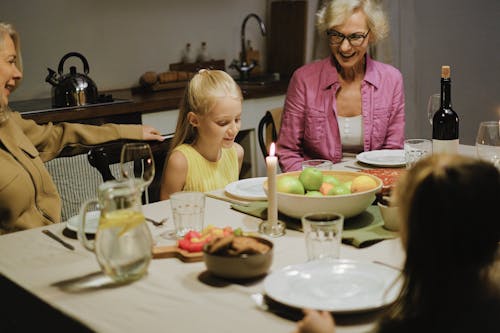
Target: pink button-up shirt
[309,127]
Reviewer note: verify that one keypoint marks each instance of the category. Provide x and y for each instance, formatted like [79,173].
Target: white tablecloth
[174,296]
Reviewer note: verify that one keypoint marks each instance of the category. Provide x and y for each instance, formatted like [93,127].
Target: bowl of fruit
[312,190]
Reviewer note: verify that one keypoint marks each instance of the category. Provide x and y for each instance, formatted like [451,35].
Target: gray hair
[336,12]
[8,30]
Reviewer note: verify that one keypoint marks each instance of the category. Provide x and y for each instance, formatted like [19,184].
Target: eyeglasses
[336,38]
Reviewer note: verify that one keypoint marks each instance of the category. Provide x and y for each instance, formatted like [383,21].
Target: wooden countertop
[143,102]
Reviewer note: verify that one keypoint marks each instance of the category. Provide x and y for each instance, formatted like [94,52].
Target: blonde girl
[203,155]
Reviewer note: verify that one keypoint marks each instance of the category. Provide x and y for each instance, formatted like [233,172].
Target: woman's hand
[150,133]
[316,322]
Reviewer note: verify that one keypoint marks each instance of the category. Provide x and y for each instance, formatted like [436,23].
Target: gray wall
[122,39]
[459,33]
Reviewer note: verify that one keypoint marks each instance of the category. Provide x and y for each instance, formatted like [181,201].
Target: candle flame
[272,149]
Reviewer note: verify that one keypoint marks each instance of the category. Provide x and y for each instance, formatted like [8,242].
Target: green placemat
[362,230]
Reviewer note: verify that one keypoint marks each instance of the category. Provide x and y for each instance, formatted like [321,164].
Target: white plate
[340,286]
[90,224]
[248,189]
[384,157]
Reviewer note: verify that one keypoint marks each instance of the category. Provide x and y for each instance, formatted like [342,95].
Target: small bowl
[296,205]
[244,266]
[390,215]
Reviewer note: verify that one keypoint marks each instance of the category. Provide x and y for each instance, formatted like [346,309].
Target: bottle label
[445,146]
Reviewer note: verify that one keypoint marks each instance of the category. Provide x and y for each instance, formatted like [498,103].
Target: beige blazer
[28,196]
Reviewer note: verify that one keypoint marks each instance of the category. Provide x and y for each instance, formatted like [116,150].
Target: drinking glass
[137,164]
[416,149]
[323,234]
[488,142]
[318,164]
[433,105]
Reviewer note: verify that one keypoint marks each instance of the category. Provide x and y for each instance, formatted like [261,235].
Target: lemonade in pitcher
[123,247]
[123,242]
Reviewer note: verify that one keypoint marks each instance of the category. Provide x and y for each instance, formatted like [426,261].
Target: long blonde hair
[200,97]
[7,29]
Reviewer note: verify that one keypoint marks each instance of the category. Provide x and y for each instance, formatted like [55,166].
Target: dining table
[53,287]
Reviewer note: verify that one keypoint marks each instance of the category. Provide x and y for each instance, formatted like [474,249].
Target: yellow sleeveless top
[203,175]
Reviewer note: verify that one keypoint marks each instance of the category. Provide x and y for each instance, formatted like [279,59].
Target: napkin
[362,230]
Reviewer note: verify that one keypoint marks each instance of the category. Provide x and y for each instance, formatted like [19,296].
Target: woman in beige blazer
[28,196]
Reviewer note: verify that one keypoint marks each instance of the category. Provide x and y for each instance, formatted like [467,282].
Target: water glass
[488,142]
[318,164]
[323,234]
[188,210]
[416,149]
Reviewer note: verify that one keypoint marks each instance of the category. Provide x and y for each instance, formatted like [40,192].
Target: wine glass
[488,142]
[433,105]
[137,164]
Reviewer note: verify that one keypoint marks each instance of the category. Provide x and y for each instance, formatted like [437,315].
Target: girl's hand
[316,322]
[150,133]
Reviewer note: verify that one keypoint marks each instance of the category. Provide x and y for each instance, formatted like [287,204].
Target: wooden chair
[268,129]
[79,170]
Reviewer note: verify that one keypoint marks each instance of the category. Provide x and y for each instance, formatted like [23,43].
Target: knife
[57,238]
[234,202]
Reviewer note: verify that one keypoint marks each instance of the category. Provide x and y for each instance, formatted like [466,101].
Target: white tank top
[351,133]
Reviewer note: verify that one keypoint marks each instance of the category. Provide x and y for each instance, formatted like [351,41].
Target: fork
[157,223]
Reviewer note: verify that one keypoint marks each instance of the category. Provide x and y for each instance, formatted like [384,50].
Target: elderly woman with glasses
[348,102]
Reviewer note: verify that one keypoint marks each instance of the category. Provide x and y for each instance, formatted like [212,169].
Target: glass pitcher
[123,243]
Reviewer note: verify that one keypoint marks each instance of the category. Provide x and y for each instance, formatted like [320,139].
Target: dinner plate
[90,224]
[248,189]
[341,286]
[384,157]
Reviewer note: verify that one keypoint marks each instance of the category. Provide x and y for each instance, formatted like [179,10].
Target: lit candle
[272,196]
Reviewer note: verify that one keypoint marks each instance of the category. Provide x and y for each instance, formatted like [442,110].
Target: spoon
[157,223]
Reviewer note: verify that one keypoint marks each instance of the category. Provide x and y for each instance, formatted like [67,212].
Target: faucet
[242,66]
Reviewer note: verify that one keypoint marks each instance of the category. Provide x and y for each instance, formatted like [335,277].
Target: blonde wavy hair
[200,97]
[7,29]
[336,12]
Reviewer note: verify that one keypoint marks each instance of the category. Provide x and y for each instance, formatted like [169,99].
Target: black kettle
[72,89]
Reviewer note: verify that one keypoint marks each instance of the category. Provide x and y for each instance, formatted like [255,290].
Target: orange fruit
[326,188]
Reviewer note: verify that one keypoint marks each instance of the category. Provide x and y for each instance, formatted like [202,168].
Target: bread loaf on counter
[148,79]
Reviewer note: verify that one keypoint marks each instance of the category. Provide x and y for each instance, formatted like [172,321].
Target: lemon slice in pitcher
[125,219]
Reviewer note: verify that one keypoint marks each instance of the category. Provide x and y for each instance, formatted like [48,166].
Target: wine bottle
[445,120]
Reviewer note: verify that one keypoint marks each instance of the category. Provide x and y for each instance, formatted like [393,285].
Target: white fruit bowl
[296,205]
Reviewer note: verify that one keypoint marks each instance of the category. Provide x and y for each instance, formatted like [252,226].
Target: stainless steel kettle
[72,89]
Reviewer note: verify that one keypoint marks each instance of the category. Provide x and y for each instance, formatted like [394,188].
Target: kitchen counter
[135,104]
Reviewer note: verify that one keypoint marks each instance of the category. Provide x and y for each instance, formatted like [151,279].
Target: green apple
[331,180]
[314,194]
[289,184]
[339,190]
[348,184]
[311,178]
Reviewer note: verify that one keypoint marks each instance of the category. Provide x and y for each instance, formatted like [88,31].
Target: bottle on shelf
[445,121]
[203,53]
[187,56]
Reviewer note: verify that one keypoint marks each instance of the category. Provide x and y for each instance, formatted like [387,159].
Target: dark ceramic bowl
[244,266]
